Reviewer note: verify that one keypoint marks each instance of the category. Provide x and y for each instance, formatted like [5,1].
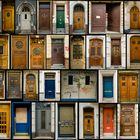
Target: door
[78,17]
[43,118]
[50,85]
[21,120]
[113,13]
[88,122]
[14,85]
[25,19]
[57,51]
[4,120]
[107,87]
[31,86]
[37,51]
[127,120]
[128,85]
[44,16]
[2,84]
[66,121]
[134,18]
[60,17]
[3,52]
[19,52]
[135,49]
[96,52]
[115,52]
[108,120]
[98,17]
[8,18]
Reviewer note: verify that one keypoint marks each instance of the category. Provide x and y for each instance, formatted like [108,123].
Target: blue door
[107,87]
[49,88]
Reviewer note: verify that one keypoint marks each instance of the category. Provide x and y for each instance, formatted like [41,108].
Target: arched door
[26,19]
[134,18]
[78,17]
[30,86]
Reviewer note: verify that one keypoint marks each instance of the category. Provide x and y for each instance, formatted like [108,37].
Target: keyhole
[25,16]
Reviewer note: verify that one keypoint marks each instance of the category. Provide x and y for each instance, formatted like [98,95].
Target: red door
[108,120]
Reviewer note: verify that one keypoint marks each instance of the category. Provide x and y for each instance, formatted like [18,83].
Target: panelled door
[127,120]
[98,17]
[8,18]
[50,85]
[31,86]
[78,17]
[107,87]
[2,84]
[37,51]
[43,119]
[19,52]
[4,120]
[14,85]
[115,52]
[88,122]
[108,120]
[60,17]
[3,52]
[135,49]
[134,18]
[95,52]
[113,13]
[66,121]
[57,51]
[44,16]
[128,87]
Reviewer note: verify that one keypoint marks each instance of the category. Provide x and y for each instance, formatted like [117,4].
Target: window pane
[70,80]
[43,120]
[87,80]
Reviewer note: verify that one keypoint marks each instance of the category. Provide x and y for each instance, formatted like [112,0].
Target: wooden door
[127,120]
[115,52]
[5,120]
[66,121]
[98,17]
[8,18]
[78,17]
[135,49]
[19,52]
[108,120]
[60,17]
[113,13]
[96,52]
[31,86]
[14,85]
[3,52]
[134,18]
[37,51]
[57,51]
[128,87]
[44,16]
[2,84]
[88,122]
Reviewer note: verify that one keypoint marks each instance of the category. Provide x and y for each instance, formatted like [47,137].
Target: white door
[26,21]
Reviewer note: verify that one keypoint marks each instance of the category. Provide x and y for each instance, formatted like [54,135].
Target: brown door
[128,85]
[8,18]
[19,52]
[108,120]
[37,51]
[88,121]
[135,49]
[134,18]
[98,17]
[115,52]
[3,52]
[127,120]
[113,12]
[96,53]
[57,51]
[1,84]
[30,86]
[79,18]
[44,16]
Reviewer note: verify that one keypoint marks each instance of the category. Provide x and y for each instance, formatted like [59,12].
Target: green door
[60,17]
